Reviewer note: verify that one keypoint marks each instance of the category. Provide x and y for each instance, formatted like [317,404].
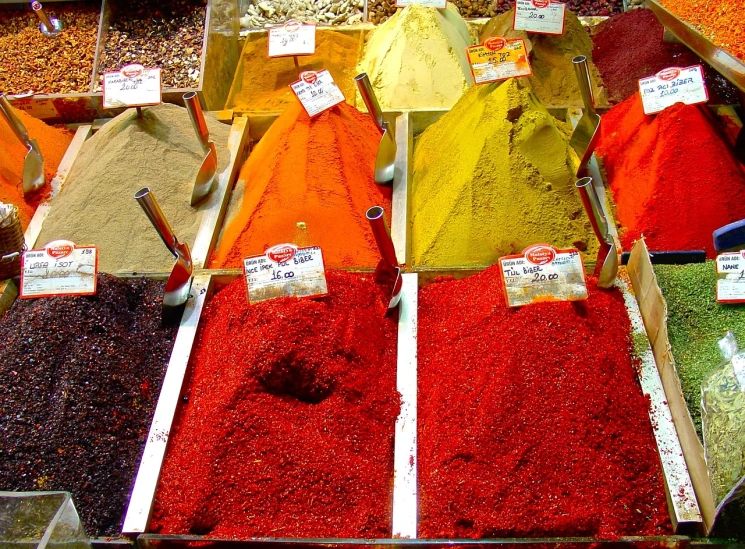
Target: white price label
[731,277]
[285,271]
[132,86]
[543,273]
[673,85]
[292,38]
[43,109]
[498,58]
[439,4]
[317,91]
[539,16]
[61,268]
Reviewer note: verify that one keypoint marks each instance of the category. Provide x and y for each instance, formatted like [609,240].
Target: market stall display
[34,63]
[417,59]
[79,377]
[96,205]
[308,181]
[557,444]
[692,182]
[510,181]
[286,428]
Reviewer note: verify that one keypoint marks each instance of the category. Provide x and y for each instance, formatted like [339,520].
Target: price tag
[317,91]
[43,109]
[673,85]
[285,271]
[292,38]
[132,86]
[439,4]
[539,16]
[61,268]
[731,277]
[498,59]
[543,273]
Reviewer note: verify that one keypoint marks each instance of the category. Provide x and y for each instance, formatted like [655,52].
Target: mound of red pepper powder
[79,378]
[673,176]
[531,421]
[287,424]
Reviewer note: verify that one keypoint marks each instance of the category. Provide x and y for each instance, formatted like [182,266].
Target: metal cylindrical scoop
[586,134]
[386,157]
[179,283]
[606,267]
[388,269]
[49,26]
[206,175]
[33,165]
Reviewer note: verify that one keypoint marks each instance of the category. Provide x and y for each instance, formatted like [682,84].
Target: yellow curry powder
[493,176]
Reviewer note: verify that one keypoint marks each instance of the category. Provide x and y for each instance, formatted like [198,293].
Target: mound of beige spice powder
[96,206]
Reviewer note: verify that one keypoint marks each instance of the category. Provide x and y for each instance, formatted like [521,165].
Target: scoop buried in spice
[606,266]
[206,175]
[586,134]
[384,161]
[33,165]
[388,269]
[179,283]
[49,26]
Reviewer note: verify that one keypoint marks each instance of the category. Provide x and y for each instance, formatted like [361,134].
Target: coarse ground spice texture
[629,46]
[309,181]
[509,174]
[79,377]
[695,323]
[531,420]
[262,83]
[673,176]
[53,143]
[287,422]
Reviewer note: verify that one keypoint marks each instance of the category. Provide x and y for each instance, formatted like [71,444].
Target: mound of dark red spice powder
[531,421]
[287,423]
[79,378]
[629,46]
[673,176]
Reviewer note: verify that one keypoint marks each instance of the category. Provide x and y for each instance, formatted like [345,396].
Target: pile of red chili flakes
[531,421]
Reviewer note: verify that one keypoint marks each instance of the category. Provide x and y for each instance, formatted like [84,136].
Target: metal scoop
[586,133]
[179,283]
[384,161]
[606,266]
[388,269]
[49,26]
[33,165]
[206,175]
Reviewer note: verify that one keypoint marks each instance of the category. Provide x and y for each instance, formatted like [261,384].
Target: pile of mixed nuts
[320,12]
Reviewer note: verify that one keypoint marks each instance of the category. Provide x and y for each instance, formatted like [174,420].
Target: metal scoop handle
[592,205]
[13,121]
[379,226]
[150,206]
[371,101]
[582,71]
[191,100]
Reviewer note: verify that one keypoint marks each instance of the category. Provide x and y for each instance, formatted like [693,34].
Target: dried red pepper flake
[287,424]
[532,422]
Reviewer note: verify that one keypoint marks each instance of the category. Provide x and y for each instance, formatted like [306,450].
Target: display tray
[682,506]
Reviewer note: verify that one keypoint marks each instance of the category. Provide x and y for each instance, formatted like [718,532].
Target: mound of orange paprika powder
[308,181]
[531,421]
[286,428]
[673,176]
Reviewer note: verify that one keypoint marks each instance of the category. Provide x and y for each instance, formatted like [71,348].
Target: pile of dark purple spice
[79,378]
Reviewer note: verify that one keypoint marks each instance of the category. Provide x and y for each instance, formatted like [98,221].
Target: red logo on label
[281,252]
[668,74]
[541,3]
[494,43]
[309,77]
[36,6]
[540,255]
[132,71]
[292,25]
[59,249]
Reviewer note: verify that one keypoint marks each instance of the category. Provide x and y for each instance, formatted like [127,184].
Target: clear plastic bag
[723,422]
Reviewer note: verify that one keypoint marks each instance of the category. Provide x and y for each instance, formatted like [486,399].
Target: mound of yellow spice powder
[493,176]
